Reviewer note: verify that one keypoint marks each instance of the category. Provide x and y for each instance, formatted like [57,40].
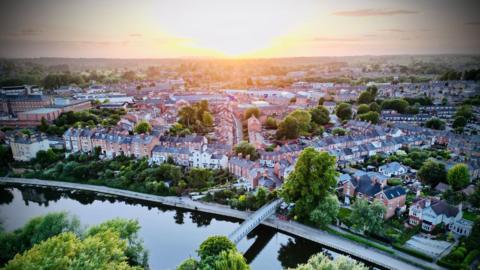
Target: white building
[25,148]
[208,160]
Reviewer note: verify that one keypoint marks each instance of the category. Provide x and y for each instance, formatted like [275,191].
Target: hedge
[413,252]
[361,240]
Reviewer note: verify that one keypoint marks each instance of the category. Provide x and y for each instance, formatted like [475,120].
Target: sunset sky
[247,28]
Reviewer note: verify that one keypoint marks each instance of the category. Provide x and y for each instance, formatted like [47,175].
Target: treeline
[469,75]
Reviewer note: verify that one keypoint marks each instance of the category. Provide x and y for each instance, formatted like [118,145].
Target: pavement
[428,246]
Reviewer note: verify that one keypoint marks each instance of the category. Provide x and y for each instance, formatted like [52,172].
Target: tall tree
[321,261]
[458,176]
[246,149]
[326,211]
[251,111]
[344,111]
[309,183]
[432,172]
[320,115]
[143,127]
[288,128]
[367,217]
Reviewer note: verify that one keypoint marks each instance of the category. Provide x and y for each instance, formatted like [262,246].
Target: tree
[246,149]
[129,76]
[104,250]
[271,123]
[214,245]
[432,172]
[230,260]
[207,119]
[364,98]
[251,111]
[288,128]
[321,261]
[435,123]
[474,199]
[187,116]
[46,158]
[459,122]
[374,107]
[303,119]
[127,230]
[364,108]
[199,178]
[308,184]
[367,217]
[344,111]
[458,176]
[399,105]
[339,132]
[326,211]
[474,238]
[465,111]
[320,115]
[143,127]
[35,231]
[43,125]
[372,117]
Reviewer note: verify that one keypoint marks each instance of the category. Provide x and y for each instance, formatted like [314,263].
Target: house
[430,212]
[373,186]
[208,159]
[180,155]
[25,147]
[392,169]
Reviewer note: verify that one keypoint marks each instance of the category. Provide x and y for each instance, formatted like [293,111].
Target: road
[238,129]
[333,241]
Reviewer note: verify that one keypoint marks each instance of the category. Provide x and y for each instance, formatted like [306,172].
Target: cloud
[475,23]
[25,32]
[393,30]
[374,12]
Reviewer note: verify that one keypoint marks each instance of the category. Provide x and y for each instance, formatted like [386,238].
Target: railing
[254,220]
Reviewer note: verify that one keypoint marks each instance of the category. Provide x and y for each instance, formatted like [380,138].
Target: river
[170,234]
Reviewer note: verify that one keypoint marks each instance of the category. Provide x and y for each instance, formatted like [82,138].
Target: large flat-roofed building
[13,104]
[49,114]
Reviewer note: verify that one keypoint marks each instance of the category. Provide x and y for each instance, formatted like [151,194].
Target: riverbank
[332,241]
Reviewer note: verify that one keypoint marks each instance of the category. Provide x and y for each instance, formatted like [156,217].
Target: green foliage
[303,119]
[374,107]
[196,118]
[320,115]
[344,111]
[432,172]
[199,178]
[474,238]
[251,111]
[35,231]
[413,252]
[53,81]
[394,181]
[271,123]
[326,211]
[104,250]
[368,96]
[372,117]
[459,122]
[458,176]
[127,230]
[465,111]
[314,175]
[142,127]
[435,123]
[178,129]
[344,216]
[399,105]
[216,253]
[367,217]
[323,262]
[6,157]
[214,245]
[339,132]
[363,109]
[288,128]
[247,149]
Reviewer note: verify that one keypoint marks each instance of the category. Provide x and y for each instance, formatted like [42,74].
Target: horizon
[236,30]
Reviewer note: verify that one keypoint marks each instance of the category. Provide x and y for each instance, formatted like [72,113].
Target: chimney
[427,202]
[247,157]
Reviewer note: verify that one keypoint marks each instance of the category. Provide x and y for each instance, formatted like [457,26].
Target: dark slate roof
[394,192]
[442,207]
[367,186]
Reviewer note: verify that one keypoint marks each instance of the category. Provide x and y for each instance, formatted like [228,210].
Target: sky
[236,29]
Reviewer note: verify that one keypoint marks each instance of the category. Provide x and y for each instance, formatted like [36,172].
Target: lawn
[469,216]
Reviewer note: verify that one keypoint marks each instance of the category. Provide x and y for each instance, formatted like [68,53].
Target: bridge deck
[254,220]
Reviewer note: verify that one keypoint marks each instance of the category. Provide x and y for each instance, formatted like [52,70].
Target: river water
[170,234]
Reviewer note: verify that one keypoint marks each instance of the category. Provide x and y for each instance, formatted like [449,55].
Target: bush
[394,181]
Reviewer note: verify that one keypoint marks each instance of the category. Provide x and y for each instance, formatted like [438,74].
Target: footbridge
[254,220]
